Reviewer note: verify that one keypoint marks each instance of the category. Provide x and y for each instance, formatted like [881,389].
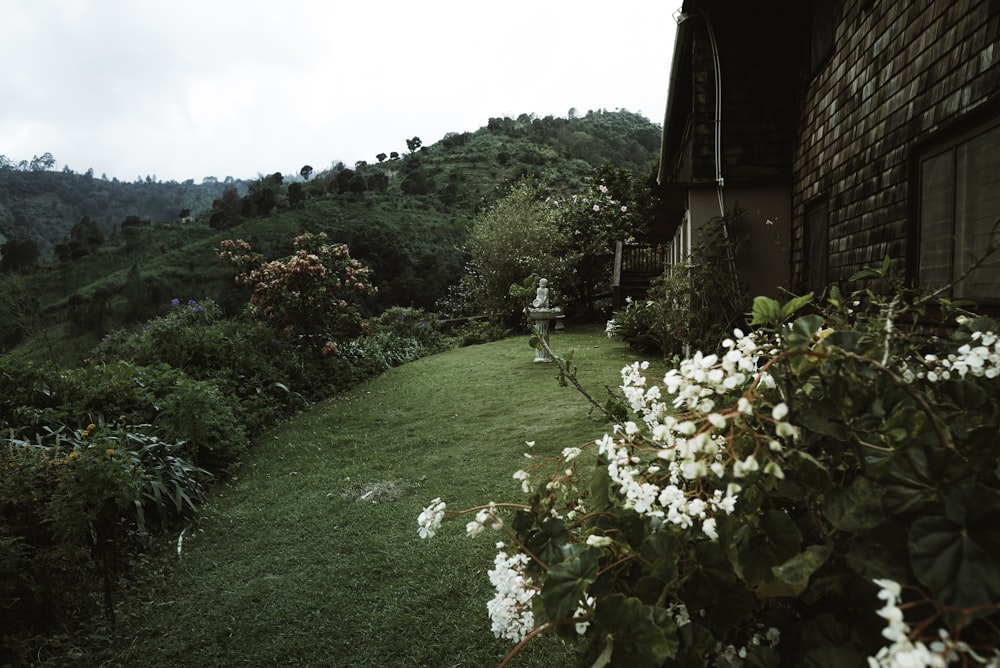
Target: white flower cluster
[691,445]
[980,359]
[662,500]
[510,610]
[907,653]
[486,515]
[430,518]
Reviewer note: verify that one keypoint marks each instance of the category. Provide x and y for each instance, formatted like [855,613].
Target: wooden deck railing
[638,259]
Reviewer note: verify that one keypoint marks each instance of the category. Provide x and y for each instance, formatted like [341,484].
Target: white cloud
[193,88]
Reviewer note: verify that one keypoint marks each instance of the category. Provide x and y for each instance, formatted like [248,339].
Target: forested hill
[103,254]
[43,205]
[455,173]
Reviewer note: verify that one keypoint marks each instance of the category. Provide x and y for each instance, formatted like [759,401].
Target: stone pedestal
[541,321]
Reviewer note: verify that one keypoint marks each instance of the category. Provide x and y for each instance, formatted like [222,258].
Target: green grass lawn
[310,555]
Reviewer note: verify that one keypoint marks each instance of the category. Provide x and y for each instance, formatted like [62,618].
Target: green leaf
[880,553]
[714,586]
[567,582]
[905,422]
[600,484]
[846,339]
[795,304]
[908,482]
[777,540]
[954,554]
[662,551]
[827,643]
[640,635]
[766,311]
[855,508]
[547,541]
[795,572]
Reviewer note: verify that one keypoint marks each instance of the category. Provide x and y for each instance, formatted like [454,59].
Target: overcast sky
[185,89]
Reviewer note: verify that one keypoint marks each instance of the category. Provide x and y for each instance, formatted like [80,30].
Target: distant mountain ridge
[457,171]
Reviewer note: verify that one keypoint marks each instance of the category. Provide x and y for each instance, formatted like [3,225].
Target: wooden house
[846,131]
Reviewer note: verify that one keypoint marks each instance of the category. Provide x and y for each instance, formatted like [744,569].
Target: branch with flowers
[760,503]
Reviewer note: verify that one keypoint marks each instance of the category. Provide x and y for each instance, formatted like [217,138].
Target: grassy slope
[289,567]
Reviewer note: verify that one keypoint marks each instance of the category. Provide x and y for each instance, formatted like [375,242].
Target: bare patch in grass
[376,491]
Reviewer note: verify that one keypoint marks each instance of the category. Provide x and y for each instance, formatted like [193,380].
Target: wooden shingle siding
[899,72]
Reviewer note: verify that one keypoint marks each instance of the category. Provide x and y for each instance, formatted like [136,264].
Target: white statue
[542,294]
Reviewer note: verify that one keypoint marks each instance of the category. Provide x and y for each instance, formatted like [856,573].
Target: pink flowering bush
[312,296]
[823,490]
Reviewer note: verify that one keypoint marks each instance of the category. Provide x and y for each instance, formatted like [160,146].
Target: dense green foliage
[693,305]
[407,217]
[98,457]
[69,214]
[569,241]
[823,490]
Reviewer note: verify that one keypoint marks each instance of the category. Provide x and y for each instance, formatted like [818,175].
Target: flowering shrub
[312,295]
[590,225]
[823,491]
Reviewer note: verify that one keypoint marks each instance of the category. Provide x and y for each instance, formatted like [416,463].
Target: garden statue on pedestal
[541,314]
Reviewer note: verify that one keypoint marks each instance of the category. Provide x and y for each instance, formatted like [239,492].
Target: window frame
[946,140]
[816,269]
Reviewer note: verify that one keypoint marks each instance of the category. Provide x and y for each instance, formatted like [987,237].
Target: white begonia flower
[889,589]
[772,468]
[717,421]
[748,465]
[430,518]
[786,430]
[525,479]
[599,541]
[780,411]
[570,454]
[584,608]
[708,528]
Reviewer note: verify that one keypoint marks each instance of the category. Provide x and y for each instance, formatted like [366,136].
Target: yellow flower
[74,454]
[91,427]
[110,452]
[86,433]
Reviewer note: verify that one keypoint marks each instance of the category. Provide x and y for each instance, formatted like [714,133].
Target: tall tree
[18,254]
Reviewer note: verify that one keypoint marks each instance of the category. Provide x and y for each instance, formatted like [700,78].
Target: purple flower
[175,302]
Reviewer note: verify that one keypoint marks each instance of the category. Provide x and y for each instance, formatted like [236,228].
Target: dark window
[821,34]
[959,210]
[817,245]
